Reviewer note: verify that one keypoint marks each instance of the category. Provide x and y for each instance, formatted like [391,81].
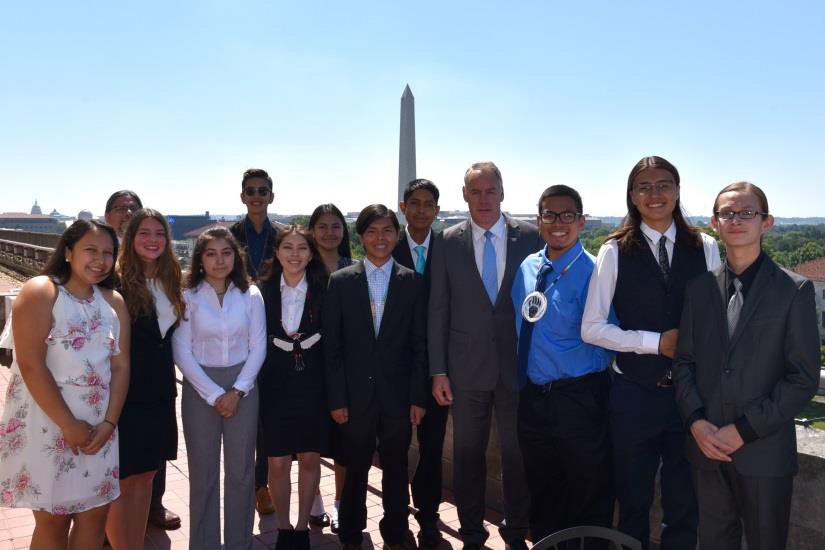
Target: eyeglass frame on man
[745,214]
[262,191]
[558,216]
[123,208]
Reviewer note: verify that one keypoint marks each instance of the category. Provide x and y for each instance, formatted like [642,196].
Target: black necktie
[664,264]
[526,334]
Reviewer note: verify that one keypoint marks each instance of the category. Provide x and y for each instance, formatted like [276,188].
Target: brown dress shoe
[164,519]
[263,501]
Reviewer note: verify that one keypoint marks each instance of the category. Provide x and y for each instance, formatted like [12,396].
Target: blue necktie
[421,261]
[489,275]
[526,334]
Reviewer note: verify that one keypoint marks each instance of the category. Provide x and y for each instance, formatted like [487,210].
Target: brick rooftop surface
[16,525]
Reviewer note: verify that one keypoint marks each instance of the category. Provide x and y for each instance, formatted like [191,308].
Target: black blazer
[402,255]
[279,364]
[360,367]
[766,371]
[152,368]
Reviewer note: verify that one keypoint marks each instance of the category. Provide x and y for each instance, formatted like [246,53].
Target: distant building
[815,271]
[38,223]
[36,208]
[61,217]
[84,215]
[181,225]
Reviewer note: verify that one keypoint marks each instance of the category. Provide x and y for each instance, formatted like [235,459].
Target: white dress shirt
[163,307]
[215,335]
[292,304]
[499,238]
[413,245]
[378,281]
[595,327]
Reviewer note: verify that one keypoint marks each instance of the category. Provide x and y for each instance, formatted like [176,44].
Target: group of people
[655,355]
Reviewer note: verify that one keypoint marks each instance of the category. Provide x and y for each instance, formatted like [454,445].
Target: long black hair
[197,274]
[58,269]
[329,208]
[316,273]
[629,235]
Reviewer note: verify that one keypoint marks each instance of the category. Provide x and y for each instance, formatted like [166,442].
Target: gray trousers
[203,429]
[472,419]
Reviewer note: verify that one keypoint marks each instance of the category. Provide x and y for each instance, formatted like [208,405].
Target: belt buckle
[666,381]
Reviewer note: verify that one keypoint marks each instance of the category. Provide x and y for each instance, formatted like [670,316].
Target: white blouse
[596,329]
[163,307]
[215,335]
[292,304]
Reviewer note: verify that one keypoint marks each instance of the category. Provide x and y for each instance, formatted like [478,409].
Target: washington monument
[406,147]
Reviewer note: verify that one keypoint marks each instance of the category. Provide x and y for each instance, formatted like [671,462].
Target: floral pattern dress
[37,468]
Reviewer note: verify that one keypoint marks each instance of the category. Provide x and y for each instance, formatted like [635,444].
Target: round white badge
[534,306]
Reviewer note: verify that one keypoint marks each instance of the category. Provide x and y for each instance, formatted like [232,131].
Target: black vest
[643,301]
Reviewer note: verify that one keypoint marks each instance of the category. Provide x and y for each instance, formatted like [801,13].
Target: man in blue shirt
[562,415]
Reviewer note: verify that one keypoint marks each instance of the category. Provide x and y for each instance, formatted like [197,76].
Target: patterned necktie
[526,334]
[378,296]
[664,263]
[489,275]
[421,261]
[735,306]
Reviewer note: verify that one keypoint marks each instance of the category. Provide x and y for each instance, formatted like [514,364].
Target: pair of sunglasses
[262,191]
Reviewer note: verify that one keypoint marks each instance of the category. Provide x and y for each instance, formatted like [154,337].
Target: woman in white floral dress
[58,436]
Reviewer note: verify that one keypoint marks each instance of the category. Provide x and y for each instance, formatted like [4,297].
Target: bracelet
[110,422]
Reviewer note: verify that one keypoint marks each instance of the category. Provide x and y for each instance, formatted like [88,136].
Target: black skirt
[147,436]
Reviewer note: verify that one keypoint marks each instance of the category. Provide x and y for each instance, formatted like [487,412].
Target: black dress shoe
[333,525]
[164,519]
[518,544]
[319,521]
[429,535]
[285,539]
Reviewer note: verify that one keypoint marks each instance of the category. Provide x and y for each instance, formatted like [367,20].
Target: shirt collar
[413,244]
[653,235]
[250,227]
[370,267]
[565,259]
[499,229]
[300,287]
[229,287]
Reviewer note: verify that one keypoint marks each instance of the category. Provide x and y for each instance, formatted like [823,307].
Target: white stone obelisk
[406,146]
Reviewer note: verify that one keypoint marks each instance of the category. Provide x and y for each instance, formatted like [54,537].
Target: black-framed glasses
[123,209]
[262,191]
[746,214]
[663,187]
[548,216]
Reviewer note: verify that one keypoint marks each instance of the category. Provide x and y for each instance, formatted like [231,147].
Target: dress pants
[647,431]
[203,429]
[565,442]
[728,499]
[472,417]
[426,483]
[359,433]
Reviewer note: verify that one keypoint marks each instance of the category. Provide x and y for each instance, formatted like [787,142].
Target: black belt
[566,382]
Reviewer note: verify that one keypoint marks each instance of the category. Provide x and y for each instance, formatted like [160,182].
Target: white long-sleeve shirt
[595,327]
[215,335]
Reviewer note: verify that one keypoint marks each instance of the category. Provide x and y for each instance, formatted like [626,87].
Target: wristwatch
[240,393]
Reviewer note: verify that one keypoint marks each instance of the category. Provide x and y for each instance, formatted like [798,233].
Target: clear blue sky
[176,99]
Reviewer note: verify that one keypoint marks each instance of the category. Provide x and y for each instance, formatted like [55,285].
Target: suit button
[728,371]
[369,377]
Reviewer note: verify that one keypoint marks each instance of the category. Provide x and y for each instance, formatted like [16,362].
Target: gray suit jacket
[766,371]
[469,339]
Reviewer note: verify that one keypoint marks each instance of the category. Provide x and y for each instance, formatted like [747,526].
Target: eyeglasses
[548,216]
[663,187]
[746,214]
[123,209]
[262,191]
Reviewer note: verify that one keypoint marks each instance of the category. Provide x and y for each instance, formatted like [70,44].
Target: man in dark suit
[472,350]
[747,362]
[256,235]
[414,250]
[376,361]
